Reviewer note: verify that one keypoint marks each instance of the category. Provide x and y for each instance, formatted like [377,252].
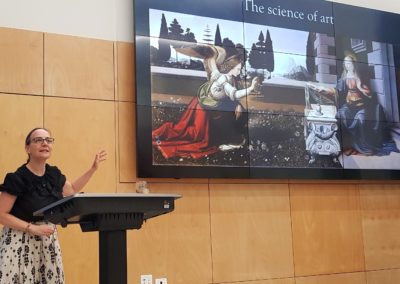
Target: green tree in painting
[217,39]
[189,36]
[262,53]
[175,31]
[310,60]
[269,62]
[164,48]
[207,35]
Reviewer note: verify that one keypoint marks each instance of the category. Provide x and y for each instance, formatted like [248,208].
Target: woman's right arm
[6,203]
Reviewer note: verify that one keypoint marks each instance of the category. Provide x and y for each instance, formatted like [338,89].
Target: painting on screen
[247,94]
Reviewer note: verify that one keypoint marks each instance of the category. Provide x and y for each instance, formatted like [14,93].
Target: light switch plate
[146,279]
[161,280]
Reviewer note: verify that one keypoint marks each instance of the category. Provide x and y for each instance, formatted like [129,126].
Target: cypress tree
[217,39]
[164,48]
[310,60]
[269,54]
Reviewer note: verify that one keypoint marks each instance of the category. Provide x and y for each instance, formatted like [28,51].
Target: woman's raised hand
[100,157]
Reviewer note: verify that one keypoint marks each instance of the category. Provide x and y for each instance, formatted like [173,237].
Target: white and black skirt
[25,258]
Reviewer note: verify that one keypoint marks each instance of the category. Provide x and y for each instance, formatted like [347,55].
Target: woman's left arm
[76,186]
[363,89]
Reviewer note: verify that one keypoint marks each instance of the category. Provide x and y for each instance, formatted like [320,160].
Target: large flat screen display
[266,89]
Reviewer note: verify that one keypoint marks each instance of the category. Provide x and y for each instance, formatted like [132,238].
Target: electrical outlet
[161,280]
[146,279]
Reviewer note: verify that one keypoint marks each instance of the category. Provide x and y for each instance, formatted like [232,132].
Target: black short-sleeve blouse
[33,192]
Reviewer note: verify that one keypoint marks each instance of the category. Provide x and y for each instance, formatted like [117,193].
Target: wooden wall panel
[81,128]
[126,187]
[19,115]
[78,67]
[381,225]
[21,57]
[246,181]
[80,253]
[391,276]
[125,72]
[127,142]
[250,232]
[273,281]
[347,278]
[176,245]
[327,234]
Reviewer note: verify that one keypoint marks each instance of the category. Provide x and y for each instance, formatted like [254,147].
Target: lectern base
[113,258]
[111,215]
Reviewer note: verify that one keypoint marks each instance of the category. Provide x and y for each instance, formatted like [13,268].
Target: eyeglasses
[41,140]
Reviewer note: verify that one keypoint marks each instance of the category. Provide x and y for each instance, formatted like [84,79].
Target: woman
[29,247]
[214,120]
[362,118]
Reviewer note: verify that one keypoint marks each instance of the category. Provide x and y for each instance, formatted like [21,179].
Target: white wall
[384,5]
[102,19]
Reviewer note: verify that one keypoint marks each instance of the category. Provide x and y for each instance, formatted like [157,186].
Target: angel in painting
[215,119]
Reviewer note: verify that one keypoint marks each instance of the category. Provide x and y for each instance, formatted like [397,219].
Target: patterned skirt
[30,259]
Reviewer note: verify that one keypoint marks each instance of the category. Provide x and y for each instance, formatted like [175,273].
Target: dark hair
[28,138]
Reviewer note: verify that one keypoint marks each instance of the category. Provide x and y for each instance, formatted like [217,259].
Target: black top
[33,192]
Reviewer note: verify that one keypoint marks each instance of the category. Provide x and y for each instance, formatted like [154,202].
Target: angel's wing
[212,55]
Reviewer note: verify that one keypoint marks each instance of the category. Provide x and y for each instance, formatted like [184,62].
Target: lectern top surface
[135,195]
[100,196]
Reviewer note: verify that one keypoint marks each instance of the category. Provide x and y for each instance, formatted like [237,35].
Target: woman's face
[236,70]
[40,145]
[348,64]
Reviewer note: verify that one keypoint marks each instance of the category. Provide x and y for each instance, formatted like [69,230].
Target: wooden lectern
[111,215]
